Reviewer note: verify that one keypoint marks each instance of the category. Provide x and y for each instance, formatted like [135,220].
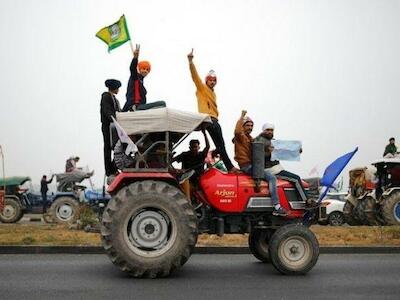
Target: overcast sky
[324,72]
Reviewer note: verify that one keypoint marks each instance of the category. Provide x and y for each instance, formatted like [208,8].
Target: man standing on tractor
[273,166]
[43,190]
[207,103]
[243,155]
[194,158]
[109,105]
[390,149]
[136,92]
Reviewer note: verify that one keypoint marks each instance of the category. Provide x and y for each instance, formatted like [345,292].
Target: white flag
[124,138]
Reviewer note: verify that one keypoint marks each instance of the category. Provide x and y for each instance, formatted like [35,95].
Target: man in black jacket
[44,189]
[109,105]
[136,92]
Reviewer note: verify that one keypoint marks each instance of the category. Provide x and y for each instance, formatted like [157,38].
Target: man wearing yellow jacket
[207,103]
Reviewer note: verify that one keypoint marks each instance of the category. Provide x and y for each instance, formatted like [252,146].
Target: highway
[85,276]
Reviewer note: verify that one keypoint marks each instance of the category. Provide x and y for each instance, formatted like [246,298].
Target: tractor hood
[16,180]
[160,120]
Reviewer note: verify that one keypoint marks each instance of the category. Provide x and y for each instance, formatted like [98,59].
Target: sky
[324,72]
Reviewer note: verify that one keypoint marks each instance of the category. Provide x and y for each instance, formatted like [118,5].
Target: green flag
[114,35]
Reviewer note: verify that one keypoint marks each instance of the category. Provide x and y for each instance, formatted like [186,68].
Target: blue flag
[334,169]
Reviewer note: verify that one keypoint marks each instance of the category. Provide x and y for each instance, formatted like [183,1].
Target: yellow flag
[114,35]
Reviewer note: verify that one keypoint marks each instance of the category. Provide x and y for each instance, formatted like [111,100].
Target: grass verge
[58,235]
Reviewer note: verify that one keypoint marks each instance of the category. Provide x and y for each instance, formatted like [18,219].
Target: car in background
[334,203]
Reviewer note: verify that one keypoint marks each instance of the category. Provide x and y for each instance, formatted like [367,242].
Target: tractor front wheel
[149,229]
[293,249]
[64,210]
[348,212]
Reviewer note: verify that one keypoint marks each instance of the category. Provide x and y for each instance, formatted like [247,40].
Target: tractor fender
[64,194]
[353,200]
[389,191]
[126,178]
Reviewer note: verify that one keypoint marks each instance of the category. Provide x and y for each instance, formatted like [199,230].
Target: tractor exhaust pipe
[258,163]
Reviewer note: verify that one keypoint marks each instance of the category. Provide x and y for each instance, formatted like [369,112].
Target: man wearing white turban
[274,166]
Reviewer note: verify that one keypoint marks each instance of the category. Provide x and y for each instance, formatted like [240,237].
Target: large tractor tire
[64,210]
[358,213]
[293,249]
[369,208]
[149,229]
[348,212]
[258,244]
[391,209]
[12,211]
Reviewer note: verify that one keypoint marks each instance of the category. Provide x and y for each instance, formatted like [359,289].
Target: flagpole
[130,43]
[4,179]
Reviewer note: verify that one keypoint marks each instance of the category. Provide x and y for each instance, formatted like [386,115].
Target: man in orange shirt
[207,103]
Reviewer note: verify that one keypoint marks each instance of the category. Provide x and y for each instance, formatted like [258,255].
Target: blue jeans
[271,179]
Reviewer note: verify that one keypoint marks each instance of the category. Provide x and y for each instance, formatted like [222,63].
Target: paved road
[349,276]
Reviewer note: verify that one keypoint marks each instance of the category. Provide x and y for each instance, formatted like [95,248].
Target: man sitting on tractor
[243,155]
[194,159]
[390,149]
[274,167]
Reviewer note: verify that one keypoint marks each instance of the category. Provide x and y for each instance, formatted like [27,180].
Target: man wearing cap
[274,167]
[136,92]
[243,155]
[109,105]
[207,103]
[390,149]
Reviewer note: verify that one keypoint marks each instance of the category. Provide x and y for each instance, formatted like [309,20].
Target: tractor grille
[266,202]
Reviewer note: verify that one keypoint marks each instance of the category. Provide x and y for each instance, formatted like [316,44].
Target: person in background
[214,160]
[70,164]
[135,91]
[44,189]
[109,105]
[390,149]
[207,103]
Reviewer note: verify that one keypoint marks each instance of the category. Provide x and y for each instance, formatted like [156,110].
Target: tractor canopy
[12,181]
[161,120]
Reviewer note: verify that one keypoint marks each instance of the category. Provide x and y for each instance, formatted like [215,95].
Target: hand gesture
[136,51]
[190,56]
[244,112]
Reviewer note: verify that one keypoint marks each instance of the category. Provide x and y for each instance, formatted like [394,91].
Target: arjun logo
[225,193]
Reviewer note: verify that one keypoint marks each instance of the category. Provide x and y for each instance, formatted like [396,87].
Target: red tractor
[151,224]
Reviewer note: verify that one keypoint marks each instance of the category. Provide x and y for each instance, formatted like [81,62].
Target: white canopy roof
[160,120]
[394,160]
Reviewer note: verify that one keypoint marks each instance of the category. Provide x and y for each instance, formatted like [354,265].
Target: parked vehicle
[71,195]
[151,224]
[334,203]
[16,202]
[376,201]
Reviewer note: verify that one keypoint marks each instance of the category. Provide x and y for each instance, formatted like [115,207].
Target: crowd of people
[194,158]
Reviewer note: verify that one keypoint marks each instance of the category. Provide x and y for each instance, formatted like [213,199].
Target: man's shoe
[280,212]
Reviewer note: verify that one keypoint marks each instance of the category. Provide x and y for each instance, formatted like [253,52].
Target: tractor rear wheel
[293,249]
[391,209]
[348,212]
[149,229]
[12,211]
[258,244]
[369,208]
[64,210]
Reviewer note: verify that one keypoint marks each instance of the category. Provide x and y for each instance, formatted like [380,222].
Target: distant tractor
[375,200]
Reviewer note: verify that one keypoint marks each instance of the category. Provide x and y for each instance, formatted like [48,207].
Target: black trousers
[215,132]
[109,165]
[44,200]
